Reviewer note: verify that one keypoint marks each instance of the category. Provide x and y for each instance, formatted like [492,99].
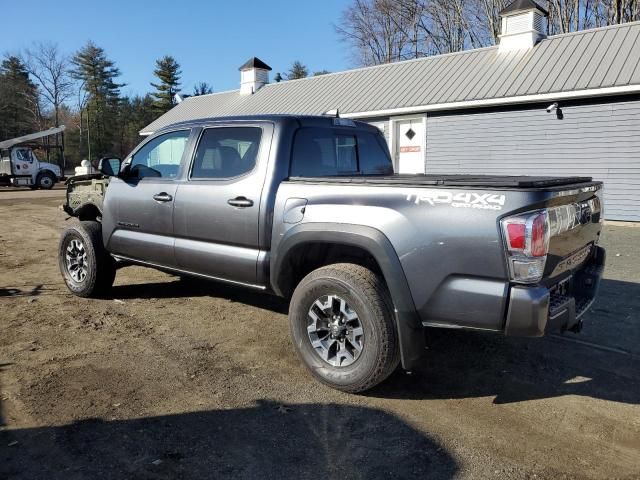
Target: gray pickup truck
[309,208]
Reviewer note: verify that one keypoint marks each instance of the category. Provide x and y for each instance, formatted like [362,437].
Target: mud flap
[410,338]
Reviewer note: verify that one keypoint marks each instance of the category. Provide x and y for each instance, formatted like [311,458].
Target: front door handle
[242,202]
[162,197]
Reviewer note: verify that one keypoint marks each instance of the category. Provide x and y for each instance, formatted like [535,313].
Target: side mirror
[110,166]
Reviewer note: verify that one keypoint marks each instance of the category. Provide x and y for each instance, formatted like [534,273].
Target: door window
[161,156]
[226,152]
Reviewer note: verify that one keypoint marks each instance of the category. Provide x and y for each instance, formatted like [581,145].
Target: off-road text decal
[483,201]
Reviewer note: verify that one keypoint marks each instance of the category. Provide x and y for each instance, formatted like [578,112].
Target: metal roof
[521,6]
[581,64]
[254,62]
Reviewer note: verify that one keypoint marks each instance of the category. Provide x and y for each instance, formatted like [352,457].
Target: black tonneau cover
[489,181]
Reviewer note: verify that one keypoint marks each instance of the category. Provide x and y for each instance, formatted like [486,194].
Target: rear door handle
[162,197]
[242,202]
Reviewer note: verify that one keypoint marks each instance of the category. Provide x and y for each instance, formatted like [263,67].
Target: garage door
[601,141]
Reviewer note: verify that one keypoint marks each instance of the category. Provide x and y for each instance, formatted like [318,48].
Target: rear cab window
[328,152]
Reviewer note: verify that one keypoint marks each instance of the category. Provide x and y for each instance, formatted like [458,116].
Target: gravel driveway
[172,379]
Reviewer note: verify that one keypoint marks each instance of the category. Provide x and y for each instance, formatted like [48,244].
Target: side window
[374,154]
[160,157]
[24,155]
[319,152]
[226,152]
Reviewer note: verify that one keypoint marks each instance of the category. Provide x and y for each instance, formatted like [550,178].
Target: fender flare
[373,241]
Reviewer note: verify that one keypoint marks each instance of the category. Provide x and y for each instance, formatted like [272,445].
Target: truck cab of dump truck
[21,167]
[24,168]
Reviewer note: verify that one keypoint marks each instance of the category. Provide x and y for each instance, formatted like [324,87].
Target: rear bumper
[532,311]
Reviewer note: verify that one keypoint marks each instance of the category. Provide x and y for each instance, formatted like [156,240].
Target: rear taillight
[515,235]
[527,241]
[526,236]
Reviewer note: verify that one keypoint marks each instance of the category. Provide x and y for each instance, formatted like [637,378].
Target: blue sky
[210,39]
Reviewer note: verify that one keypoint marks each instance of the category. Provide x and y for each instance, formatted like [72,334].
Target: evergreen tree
[168,72]
[19,104]
[98,75]
[297,70]
[320,72]
[135,113]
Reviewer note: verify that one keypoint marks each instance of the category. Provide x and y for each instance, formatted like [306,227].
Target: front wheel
[341,321]
[87,268]
[45,180]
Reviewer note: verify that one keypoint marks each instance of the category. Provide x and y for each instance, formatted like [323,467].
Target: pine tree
[98,75]
[297,70]
[168,72]
[135,113]
[19,104]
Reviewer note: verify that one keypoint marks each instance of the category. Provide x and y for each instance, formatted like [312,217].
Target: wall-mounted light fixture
[554,107]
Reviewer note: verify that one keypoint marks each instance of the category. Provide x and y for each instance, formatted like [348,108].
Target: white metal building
[561,105]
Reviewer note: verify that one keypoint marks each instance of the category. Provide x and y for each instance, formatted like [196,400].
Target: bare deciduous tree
[50,69]
[611,12]
[377,31]
[383,31]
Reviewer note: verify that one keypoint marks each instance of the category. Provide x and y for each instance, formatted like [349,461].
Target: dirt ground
[168,379]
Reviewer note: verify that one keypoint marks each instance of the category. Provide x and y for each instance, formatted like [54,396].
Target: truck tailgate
[575,229]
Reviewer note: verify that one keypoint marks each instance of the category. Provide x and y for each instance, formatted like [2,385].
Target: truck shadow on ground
[602,362]
[194,287]
[461,364]
[263,441]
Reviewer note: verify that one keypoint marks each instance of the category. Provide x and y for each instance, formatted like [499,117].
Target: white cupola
[254,74]
[523,25]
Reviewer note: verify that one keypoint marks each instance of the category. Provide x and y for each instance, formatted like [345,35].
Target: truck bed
[482,181]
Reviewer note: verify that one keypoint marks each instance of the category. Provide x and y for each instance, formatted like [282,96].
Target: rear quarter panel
[448,240]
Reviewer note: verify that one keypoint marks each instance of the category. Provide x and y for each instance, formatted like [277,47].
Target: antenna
[332,113]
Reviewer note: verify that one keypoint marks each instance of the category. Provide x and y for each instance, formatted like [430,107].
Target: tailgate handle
[162,197]
[242,202]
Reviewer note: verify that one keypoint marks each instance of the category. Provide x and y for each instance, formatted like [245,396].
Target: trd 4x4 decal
[483,201]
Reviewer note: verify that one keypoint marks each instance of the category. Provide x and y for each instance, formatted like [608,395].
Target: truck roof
[279,119]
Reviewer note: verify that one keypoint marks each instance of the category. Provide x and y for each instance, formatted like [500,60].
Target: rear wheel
[45,180]
[87,268]
[341,321]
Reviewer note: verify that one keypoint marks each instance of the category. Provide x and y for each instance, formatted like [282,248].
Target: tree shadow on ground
[16,292]
[263,441]
[2,421]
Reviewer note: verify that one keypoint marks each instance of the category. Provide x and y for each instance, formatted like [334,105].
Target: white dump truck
[19,165]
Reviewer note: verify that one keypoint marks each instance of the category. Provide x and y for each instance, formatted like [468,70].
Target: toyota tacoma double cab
[309,208]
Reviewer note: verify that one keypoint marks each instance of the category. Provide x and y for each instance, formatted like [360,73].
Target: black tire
[45,180]
[366,293]
[100,266]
